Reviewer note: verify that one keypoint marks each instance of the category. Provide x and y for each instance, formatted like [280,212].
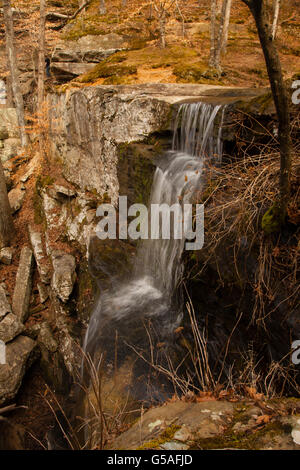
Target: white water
[158,268]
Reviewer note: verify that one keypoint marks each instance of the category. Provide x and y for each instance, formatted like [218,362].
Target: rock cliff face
[88,124]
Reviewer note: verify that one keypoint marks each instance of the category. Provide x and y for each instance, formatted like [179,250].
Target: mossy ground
[185,58]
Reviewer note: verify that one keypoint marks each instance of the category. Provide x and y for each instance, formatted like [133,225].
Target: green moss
[272,220]
[261,103]
[195,73]
[247,440]
[166,436]
[107,69]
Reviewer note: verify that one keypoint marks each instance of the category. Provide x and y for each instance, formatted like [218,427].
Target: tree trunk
[162,29]
[224,38]
[281,99]
[102,8]
[41,64]
[6,221]
[212,60]
[12,62]
[9,93]
[275,19]
[223,33]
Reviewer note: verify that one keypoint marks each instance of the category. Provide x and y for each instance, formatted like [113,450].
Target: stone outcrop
[88,124]
[40,255]
[23,284]
[6,255]
[183,425]
[64,275]
[10,327]
[73,58]
[10,143]
[19,354]
[16,197]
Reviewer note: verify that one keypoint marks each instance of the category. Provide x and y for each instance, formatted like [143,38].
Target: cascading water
[149,294]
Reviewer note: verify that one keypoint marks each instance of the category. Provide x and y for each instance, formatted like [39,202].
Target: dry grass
[237,196]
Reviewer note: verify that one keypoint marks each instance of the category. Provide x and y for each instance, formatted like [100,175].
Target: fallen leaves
[252,393]
[263,419]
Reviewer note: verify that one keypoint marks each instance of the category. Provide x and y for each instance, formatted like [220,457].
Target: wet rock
[39,255]
[19,356]
[10,327]
[6,255]
[5,307]
[64,275]
[16,197]
[23,284]
[121,115]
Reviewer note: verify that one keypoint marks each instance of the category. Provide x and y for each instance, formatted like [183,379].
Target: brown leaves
[178,330]
[252,392]
[293,214]
[264,419]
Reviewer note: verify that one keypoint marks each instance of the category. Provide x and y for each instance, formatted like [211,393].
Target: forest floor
[186,57]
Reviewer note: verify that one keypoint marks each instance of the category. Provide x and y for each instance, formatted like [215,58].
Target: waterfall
[158,267]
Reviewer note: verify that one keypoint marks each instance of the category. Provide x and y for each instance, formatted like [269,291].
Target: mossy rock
[107,70]
[196,73]
[166,436]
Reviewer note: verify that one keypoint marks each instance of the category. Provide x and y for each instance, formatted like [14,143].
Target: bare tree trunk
[9,93]
[102,7]
[275,19]
[6,221]
[224,38]
[162,28]
[12,61]
[212,60]
[41,65]
[41,76]
[281,100]
[223,32]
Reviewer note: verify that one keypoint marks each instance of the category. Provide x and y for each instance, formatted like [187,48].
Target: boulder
[6,255]
[40,255]
[16,198]
[88,48]
[11,148]
[73,58]
[65,71]
[10,327]
[22,291]
[64,275]
[9,121]
[19,356]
